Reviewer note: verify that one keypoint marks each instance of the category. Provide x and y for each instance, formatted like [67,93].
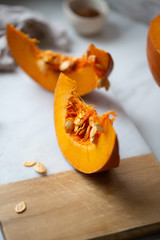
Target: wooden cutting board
[119,204]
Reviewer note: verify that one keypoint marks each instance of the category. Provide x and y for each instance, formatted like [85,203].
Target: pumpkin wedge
[88,141]
[90,71]
[153,48]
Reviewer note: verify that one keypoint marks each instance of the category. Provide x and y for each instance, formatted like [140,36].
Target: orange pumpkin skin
[85,156]
[153,48]
[39,65]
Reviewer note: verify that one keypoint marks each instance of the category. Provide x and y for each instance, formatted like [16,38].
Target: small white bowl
[86,25]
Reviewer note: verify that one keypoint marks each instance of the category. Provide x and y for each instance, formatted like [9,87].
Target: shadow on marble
[109,33]
[103,100]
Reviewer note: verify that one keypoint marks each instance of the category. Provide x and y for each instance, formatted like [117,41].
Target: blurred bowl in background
[88,17]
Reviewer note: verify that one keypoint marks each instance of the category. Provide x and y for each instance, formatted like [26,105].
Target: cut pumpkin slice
[88,141]
[153,48]
[89,71]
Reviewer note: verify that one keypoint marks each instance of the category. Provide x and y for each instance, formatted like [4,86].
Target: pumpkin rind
[153,48]
[87,158]
[26,54]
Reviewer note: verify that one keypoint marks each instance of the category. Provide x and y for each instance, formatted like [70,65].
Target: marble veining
[141,10]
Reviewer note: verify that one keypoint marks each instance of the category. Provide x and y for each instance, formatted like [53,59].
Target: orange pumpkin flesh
[43,66]
[82,154]
[153,48]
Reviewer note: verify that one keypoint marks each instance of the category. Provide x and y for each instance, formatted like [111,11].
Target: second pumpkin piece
[45,66]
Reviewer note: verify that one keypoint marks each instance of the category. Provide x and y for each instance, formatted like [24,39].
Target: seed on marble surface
[29,163]
[40,168]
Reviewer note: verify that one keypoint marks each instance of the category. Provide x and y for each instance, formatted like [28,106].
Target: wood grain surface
[119,204]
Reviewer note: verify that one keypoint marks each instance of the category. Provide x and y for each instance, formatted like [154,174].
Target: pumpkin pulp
[87,150]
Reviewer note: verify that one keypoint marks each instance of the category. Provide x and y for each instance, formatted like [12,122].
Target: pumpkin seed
[93,139]
[92,58]
[81,115]
[40,168]
[64,65]
[73,60]
[69,125]
[54,59]
[20,207]
[29,163]
[93,131]
[42,65]
[91,122]
[77,121]
[99,127]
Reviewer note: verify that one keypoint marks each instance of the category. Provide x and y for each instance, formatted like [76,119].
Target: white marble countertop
[131,79]
[23,102]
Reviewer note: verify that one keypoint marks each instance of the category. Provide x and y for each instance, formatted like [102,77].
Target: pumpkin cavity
[82,121]
[55,61]
[49,60]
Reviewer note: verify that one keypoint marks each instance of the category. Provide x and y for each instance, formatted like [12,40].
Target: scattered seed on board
[29,163]
[20,207]
[40,168]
